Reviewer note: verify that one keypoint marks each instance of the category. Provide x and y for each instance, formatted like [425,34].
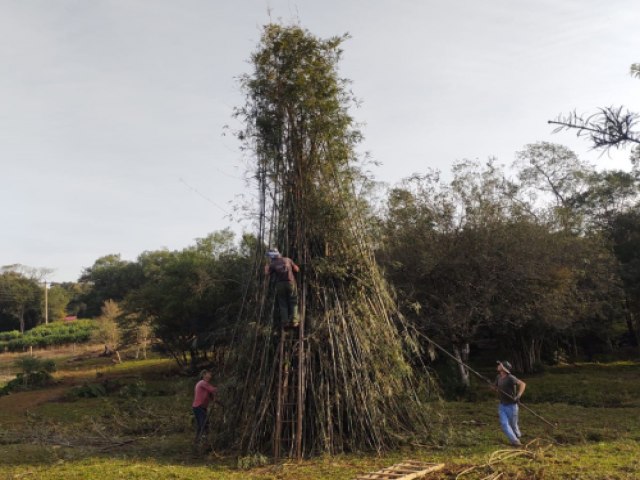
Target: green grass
[171,458]
[590,385]
[596,407]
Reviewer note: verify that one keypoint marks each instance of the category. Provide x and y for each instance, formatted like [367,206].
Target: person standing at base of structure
[203,393]
[509,389]
[282,270]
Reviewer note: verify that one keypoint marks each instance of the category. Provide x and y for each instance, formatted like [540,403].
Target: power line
[197,192]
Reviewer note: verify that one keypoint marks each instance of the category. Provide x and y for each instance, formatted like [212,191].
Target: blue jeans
[508,415]
[201,419]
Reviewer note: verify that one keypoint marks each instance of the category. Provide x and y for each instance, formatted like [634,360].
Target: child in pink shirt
[203,393]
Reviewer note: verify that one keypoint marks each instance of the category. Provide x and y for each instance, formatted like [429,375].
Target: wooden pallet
[407,470]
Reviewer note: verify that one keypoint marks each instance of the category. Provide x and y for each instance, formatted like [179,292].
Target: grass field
[133,420]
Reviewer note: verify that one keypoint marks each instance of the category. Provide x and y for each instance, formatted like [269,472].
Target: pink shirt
[203,393]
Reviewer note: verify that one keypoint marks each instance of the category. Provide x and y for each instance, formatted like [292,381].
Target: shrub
[31,365]
[52,334]
[104,388]
[89,390]
[136,389]
[6,336]
[252,461]
[35,372]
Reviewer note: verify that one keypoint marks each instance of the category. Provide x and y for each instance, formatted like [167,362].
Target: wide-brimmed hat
[506,365]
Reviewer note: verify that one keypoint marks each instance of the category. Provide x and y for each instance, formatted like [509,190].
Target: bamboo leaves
[360,386]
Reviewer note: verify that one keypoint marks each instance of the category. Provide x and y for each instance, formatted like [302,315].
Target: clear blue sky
[112,111]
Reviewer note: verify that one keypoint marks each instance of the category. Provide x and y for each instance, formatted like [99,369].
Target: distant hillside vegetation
[52,334]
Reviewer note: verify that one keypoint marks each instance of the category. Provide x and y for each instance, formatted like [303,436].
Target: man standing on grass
[282,270]
[509,389]
[203,393]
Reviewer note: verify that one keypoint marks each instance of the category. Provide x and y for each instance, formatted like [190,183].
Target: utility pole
[46,304]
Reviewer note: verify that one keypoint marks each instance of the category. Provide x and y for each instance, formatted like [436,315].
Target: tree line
[539,262]
[22,298]
[538,266]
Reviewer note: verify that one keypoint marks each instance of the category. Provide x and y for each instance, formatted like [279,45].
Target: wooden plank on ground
[406,470]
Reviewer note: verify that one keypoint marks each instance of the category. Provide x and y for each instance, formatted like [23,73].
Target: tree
[624,230]
[434,253]
[549,284]
[58,299]
[608,194]
[190,298]
[108,331]
[555,172]
[75,292]
[473,261]
[144,334]
[20,300]
[110,278]
[609,127]
[37,274]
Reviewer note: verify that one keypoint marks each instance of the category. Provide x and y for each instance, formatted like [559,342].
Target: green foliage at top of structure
[298,126]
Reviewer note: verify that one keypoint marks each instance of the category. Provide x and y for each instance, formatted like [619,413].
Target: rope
[442,349]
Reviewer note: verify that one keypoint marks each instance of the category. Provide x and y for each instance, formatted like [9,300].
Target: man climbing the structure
[282,270]
[509,389]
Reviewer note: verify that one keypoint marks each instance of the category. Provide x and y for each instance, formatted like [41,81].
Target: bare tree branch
[609,127]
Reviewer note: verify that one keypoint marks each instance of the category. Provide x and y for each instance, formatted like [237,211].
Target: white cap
[273,253]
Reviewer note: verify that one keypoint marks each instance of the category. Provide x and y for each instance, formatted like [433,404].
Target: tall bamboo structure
[359,387]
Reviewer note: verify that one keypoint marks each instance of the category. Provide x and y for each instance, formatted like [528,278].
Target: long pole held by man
[509,389]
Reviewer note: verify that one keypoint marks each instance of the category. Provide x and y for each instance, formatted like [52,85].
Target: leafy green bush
[6,336]
[89,390]
[252,461]
[136,389]
[52,334]
[109,387]
[15,344]
[35,372]
[31,365]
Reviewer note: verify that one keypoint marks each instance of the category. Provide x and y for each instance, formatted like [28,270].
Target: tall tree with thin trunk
[361,390]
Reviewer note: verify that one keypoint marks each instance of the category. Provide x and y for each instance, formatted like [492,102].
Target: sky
[113,112]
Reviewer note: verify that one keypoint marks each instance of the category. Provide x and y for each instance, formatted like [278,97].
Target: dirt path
[13,407]
[76,366]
